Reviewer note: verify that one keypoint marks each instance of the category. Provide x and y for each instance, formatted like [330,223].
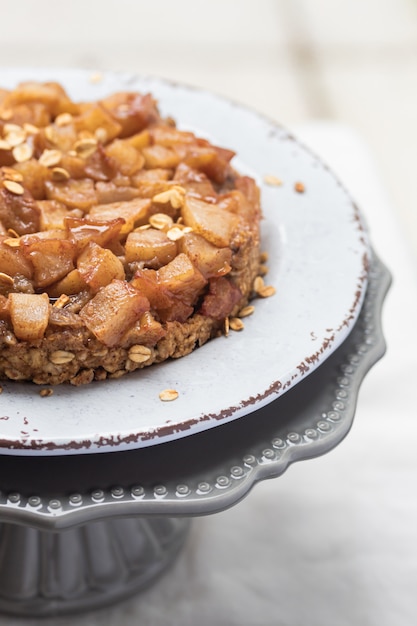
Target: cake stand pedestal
[79,532]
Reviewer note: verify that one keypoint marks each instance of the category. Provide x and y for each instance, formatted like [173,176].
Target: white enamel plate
[318,255]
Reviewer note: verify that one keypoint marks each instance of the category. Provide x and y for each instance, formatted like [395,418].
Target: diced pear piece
[208,258]
[151,246]
[29,314]
[113,310]
[76,194]
[52,214]
[94,116]
[99,266]
[86,229]
[71,284]
[147,331]
[51,259]
[182,278]
[127,159]
[213,223]
[145,281]
[160,156]
[134,212]
[13,261]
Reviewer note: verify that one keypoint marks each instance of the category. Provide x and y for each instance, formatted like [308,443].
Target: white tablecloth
[332,542]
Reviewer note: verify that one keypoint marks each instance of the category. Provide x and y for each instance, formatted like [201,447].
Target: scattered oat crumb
[1,389]
[258,284]
[266,292]
[270,179]
[6,279]
[62,301]
[59,174]
[175,233]
[13,187]
[236,324]
[262,290]
[168,395]
[44,393]
[226,326]
[299,187]
[10,173]
[247,310]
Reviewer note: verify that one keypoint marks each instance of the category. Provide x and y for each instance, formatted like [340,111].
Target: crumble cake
[124,241]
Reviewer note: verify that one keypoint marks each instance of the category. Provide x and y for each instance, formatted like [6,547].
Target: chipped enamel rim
[318,263]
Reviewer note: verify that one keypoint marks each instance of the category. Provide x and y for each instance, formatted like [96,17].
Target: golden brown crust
[123,241]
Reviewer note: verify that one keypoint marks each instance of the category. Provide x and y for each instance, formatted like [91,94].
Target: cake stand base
[83,531]
[45,573]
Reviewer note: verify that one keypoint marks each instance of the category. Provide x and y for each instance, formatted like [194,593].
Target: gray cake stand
[81,532]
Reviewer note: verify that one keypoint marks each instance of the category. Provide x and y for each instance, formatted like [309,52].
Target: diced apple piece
[74,165]
[94,116]
[147,331]
[134,212]
[169,306]
[210,221]
[211,160]
[29,314]
[140,140]
[153,176]
[96,165]
[210,260]
[250,190]
[132,110]
[126,159]
[52,214]
[151,246]
[99,266]
[59,137]
[171,136]
[237,202]
[13,261]
[51,259]
[113,310]
[34,113]
[146,282]
[82,230]
[77,194]
[182,278]
[51,94]
[4,307]
[53,233]
[71,284]
[35,176]
[196,183]
[108,192]
[150,188]
[160,156]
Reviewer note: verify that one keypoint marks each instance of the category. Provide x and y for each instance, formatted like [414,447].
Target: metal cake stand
[82,531]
